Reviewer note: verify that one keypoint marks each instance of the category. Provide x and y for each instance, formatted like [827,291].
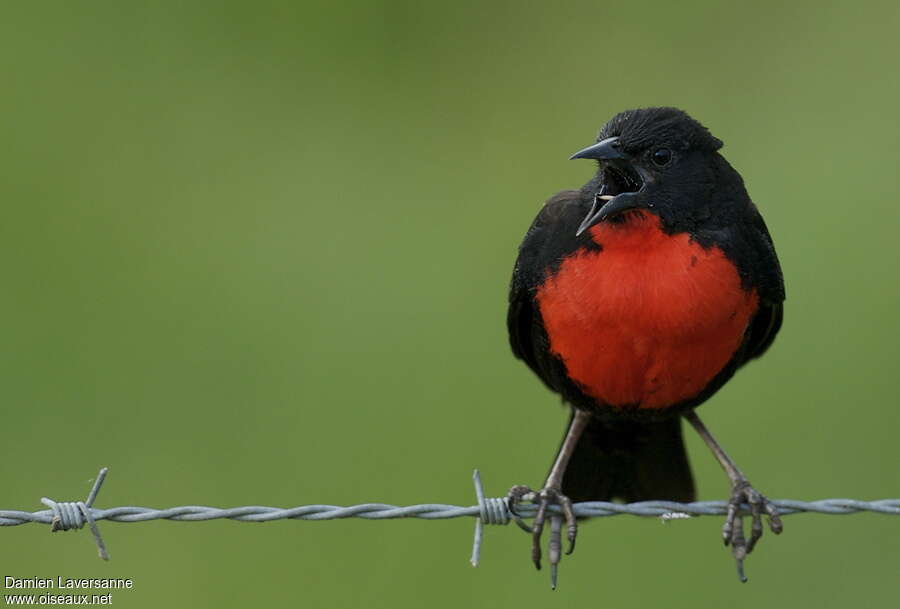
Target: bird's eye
[662,156]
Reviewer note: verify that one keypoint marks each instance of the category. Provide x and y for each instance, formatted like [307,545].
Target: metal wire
[64,516]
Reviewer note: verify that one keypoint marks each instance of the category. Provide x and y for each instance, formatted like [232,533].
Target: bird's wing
[770,287]
[527,337]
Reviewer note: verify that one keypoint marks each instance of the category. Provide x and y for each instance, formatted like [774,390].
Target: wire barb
[491,510]
[68,515]
[64,516]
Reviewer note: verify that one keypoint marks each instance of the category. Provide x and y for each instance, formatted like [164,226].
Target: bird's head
[657,159]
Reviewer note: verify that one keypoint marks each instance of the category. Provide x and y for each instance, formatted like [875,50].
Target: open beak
[622,181]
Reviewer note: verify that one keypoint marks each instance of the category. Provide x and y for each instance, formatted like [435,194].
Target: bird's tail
[631,461]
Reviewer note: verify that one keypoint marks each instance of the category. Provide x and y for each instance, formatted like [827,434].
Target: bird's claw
[544,498]
[733,529]
[515,496]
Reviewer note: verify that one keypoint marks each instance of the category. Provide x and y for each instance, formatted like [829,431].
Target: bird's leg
[741,492]
[552,493]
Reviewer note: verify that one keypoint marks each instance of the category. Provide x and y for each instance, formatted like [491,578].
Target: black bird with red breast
[636,298]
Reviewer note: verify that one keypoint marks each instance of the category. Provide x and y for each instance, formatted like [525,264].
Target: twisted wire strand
[64,516]
[440,511]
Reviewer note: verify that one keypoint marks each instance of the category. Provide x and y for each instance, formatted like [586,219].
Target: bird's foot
[733,530]
[544,498]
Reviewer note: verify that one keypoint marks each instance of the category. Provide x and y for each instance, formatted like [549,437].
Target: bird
[636,298]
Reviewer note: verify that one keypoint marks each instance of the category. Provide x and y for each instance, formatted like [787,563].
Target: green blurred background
[257,253]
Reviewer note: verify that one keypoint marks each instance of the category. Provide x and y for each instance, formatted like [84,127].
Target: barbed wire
[70,515]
